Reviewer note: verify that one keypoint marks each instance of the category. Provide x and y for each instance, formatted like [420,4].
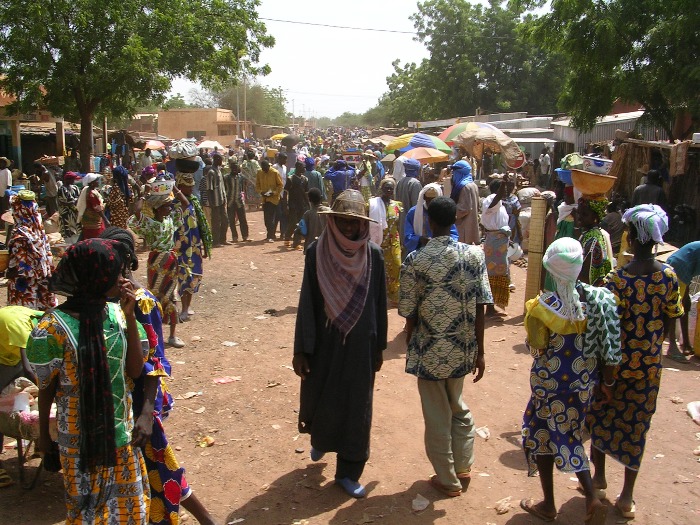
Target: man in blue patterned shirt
[444,288]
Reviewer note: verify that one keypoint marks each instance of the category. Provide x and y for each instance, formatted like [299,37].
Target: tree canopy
[479,58]
[87,58]
[640,51]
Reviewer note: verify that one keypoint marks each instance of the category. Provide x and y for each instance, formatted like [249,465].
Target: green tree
[89,58]
[640,51]
[175,102]
[479,57]
[264,105]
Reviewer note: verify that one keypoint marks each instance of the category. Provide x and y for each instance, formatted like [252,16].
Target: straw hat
[370,153]
[350,204]
[7,161]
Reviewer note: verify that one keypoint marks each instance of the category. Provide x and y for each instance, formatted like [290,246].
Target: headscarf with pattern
[563,260]
[650,221]
[120,175]
[85,273]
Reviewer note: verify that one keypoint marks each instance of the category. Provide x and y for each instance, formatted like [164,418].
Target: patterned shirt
[159,236]
[441,285]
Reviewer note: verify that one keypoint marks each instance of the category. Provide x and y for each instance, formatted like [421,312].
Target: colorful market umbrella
[417,140]
[154,144]
[475,138]
[450,134]
[426,155]
[279,136]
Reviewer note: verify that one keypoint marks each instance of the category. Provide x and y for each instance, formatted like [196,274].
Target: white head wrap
[650,221]
[420,206]
[563,260]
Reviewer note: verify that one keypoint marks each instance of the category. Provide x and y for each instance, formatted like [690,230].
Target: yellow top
[16,323]
[541,319]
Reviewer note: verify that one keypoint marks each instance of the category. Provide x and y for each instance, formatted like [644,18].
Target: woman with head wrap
[597,251]
[119,197]
[566,212]
[91,207]
[466,194]
[569,349]
[30,263]
[647,292]
[68,195]
[385,233]
[417,227]
[193,240]
[340,335]
[153,221]
[152,403]
[86,354]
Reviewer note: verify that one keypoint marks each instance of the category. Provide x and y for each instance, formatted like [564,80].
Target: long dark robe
[336,396]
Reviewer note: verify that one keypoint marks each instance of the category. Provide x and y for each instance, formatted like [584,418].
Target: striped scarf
[344,270]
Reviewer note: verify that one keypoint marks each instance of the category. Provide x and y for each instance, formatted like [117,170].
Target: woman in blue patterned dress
[152,403]
[647,291]
[570,341]
[193,241]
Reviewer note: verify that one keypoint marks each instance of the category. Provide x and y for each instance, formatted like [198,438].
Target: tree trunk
[86,140]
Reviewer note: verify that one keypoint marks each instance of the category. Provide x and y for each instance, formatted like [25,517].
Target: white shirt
[282,171]
[146,160]
[493,218]
[544,163]
[5,180]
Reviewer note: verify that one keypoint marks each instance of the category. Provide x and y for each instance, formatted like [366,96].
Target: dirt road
[258,471]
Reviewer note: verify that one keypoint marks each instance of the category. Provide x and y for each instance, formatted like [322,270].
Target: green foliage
[640,51]
[264,105]
[105,57]
[479,57]
[175,102]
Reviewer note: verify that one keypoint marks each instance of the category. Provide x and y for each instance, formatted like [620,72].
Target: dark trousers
[219,224]
[51,205]
[237,213]
[281,216]
[349,469]
[294,218]
[269,210]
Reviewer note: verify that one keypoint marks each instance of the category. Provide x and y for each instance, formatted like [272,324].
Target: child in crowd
[311,224]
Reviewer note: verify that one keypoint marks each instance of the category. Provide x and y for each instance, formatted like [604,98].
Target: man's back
[442,284]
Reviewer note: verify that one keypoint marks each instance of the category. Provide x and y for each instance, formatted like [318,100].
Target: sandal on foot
[183,317]
[629,514]
[353,488]
[599,493]
[176,342]
[680,358]
[5,479]
[464,479]
[597,516]
[316,455]
[529,506]
[451,493]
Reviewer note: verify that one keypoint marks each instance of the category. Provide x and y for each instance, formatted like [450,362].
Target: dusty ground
[254,474]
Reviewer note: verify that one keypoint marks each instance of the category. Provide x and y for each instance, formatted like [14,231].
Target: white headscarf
[421,208]
[650,221]
[563,260]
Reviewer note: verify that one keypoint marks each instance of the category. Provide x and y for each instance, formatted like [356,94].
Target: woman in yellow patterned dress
[647,291]
[86,354]
[385,232]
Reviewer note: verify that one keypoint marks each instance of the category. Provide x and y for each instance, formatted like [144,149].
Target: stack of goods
[184,152]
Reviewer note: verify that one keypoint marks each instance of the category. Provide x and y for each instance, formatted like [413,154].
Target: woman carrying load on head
[153,220]
[86,353]
[91,208]
[648,296]
[597,248]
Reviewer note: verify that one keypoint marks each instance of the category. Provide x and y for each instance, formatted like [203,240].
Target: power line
[330,94]
[376,29]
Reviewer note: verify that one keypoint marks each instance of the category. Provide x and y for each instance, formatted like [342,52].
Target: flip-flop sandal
[528,505]
[679,358]
[598,516]
[629,514]
[599,493]
[5,479]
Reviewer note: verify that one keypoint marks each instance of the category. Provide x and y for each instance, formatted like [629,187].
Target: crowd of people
[374,237]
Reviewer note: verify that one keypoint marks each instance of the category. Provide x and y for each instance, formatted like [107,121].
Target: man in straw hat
[340,335]
[444,287]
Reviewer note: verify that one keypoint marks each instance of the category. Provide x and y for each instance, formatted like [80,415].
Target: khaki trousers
[449,429]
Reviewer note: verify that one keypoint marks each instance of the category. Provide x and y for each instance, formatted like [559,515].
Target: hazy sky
[327,71]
